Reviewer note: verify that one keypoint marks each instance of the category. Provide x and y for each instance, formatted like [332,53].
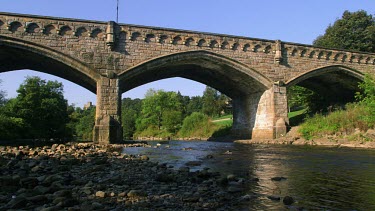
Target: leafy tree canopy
[354,31]
[42,106]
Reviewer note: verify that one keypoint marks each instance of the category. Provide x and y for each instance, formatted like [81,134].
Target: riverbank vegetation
[40,111]
[354,116]
[171,115]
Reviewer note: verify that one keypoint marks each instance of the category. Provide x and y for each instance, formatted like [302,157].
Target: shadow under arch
[19,54]
[241,83]
[224,74]
[336,83]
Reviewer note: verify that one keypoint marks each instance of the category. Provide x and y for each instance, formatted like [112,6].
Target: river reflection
[318,178]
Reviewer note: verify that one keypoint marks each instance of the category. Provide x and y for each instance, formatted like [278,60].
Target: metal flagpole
[117,12]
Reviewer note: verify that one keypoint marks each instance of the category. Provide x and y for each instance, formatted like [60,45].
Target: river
[318,178]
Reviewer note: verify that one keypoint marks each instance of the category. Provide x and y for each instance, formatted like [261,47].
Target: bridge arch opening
[245,86]
[331,86]
[21,55]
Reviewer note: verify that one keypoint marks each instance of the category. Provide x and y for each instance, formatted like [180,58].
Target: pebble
[85,176]
[100,194]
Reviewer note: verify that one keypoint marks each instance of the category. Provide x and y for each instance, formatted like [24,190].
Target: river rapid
[318,178]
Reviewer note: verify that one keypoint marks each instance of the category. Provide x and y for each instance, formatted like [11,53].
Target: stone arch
[246,47]
[135,36]
[312,54]
[32,28]
[351,58]
[176,40]
[15,26]
[201,43]
[256,48]
[150,38]
[367,60]
[320,55]
[303,53]
[294,52]
[227,75]
[97,33]
[224,45]
[338,56]
[235,46]
[337,83]
[214,44]
[267,49]
[189,41]
[65,30]
[163,38]
[81,32]
[49,29]
[18,54]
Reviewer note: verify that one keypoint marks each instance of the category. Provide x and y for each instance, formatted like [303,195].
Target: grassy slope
[341,122]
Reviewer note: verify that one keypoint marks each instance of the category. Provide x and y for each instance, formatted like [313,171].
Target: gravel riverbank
[294,138]
[83,176]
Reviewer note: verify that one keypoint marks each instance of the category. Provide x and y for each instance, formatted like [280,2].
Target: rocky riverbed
[84,176]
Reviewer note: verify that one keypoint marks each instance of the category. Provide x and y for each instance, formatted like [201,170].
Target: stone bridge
[109,58]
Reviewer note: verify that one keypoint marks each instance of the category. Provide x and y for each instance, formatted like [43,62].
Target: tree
[2,95]
[153,107]
[195,105]
[42,107]
[86,123]
[10,127]
[367,98]
[213,102]
[354,31]
[172,121]
[130,111]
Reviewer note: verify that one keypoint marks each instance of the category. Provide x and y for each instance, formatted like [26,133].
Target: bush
[197,125]
[153,131]
[359,115]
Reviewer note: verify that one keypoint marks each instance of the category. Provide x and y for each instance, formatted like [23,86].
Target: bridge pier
[261,115]
[107,127]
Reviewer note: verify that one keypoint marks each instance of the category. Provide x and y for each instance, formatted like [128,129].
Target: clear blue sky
[289,20]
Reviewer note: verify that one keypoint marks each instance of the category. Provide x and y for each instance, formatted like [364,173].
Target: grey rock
[17,202]
[136,193]
[288,200]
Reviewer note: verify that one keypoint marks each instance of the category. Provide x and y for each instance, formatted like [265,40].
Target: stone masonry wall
[86,41]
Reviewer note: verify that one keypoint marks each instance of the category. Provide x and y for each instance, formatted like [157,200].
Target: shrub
[197,125]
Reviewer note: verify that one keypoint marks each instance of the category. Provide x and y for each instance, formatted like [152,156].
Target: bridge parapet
[344,56]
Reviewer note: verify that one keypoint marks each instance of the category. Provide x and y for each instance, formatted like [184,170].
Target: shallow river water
[318,178]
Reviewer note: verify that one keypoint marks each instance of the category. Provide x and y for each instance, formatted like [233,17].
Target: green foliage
[85,124]
[195,105]
[213,102]
[303,98]
[10,127]
[197,125]
[356,115]
[131,110]
[162,114]
[172,121]
[354,31]
[42,108]
[338,122]
[153,107]
[367,98]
